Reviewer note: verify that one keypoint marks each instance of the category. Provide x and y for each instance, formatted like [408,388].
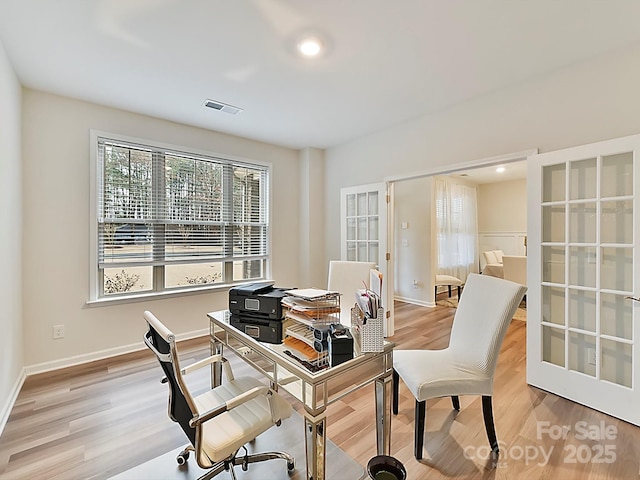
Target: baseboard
[11,400]
[413,301]
[102,354]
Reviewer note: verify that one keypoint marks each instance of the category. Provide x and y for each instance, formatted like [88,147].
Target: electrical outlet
[591,356]
[58,331]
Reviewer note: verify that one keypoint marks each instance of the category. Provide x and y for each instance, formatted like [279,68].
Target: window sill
[141,297]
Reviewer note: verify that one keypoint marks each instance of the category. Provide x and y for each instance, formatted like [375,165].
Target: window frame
[159,289]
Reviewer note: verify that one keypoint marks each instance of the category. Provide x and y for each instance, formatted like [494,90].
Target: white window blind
[163,209]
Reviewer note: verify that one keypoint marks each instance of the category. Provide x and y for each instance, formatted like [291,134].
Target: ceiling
[481,175]
[385,62]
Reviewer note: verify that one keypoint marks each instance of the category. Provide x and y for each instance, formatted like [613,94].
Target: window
[169,220]
[456,228]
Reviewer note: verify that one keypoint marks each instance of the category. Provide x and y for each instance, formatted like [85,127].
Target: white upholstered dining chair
[468,364]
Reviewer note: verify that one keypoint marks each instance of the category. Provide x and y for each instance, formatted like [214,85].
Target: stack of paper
[312,306]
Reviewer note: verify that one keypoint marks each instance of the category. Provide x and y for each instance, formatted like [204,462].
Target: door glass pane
[553,264]
[362,228]
[582,266]
[553,345]
[583,179]
[581,352]
[553,183]
[616,316]
[553,223]
[616,362]
[351,205]
[617,269]
[362,204]
[373,228]
[616,222]
[373,203]
[617,175]
[351,251]
[363,252]
[582,222]
[373,252]
[351,228]
[582,309]
[553,305]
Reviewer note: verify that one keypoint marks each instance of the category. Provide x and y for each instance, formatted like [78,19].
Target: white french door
[365,214]
[583,246]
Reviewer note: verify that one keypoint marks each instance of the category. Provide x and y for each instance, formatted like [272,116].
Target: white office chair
[467,365]
[346,277]
[219,422]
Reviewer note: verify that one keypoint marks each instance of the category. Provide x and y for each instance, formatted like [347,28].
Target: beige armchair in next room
[515,268]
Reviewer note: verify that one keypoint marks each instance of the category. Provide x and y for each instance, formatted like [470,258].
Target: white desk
[316,390]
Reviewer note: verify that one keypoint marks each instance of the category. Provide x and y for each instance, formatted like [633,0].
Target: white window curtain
[456,228]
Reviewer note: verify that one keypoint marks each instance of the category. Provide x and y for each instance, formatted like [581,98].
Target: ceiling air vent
[223,107]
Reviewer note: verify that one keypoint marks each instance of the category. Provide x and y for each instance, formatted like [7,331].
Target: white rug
[289,438]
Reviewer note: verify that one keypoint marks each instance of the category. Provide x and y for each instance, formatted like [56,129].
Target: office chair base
[244,462]
[183,456]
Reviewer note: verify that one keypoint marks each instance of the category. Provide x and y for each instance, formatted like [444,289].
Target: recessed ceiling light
[500,169]
[310,47]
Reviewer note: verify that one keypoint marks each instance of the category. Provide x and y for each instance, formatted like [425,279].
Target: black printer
[256,310]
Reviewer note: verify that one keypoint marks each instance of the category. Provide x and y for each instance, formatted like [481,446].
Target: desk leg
[315,445]
[216,368]
[383,414]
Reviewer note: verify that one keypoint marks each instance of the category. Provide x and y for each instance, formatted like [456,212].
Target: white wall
[413,245]
[11,352]
[312,262]
[56,227]
[502,207]
[587,102]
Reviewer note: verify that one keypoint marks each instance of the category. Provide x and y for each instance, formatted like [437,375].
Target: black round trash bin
[384,467]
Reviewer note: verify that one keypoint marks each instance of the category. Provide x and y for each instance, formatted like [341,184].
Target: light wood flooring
[97,420]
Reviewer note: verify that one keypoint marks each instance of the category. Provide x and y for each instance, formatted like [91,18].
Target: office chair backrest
[484,313]
[161,341]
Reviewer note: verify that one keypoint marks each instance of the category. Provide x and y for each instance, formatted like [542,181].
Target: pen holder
[368,332]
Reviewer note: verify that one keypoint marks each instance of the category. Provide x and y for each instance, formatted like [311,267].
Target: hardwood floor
[96,420]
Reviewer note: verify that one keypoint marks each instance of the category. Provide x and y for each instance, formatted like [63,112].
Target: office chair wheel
[182,457]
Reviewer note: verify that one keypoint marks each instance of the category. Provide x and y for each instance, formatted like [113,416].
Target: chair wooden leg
[487,412]
[396,387]
[458,292]
[449,290]
[419,428]
[435,293]
[455,400]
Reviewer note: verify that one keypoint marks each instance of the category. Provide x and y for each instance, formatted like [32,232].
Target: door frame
[446,170]
[385,249]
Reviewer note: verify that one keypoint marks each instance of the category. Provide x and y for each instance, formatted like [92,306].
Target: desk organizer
[368,332]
